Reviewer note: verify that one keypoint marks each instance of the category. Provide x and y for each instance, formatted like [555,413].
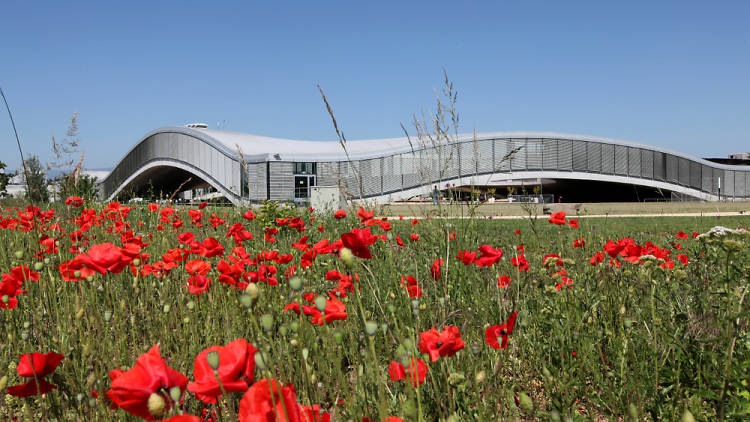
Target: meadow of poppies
[118,312]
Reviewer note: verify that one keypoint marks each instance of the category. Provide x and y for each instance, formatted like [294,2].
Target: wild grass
[638,342]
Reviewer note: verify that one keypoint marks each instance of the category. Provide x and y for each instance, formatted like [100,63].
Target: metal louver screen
[484,152]
[608,158]
[469,158]
[594,156]
[672,169]
[727,186]
[684,171]
[647,164]
[564,154]
[502,149]
[579,156]
[549,156]
[634,162]
[534,152]
[621,160]
[695,175]
[518,162]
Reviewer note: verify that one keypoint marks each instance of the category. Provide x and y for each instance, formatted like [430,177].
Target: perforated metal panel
[594,156]
[716,176]
[672,169]
[502,149]
[634,162]
[579,156]
[739,184]
[684,171]
[469,157]
[727,186]
[409,169]
[518,162]
[647,164]
[621,160]
[484,152]
[370,176]
[706,178]
[534,154]
[608,158]
[392,173]
[564,154]
[695,175]
[549,156]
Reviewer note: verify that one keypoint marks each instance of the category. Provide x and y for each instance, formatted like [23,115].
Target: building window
[305,168]
[304,178]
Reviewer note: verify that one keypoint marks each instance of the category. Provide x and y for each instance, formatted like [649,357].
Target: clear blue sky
[673,74]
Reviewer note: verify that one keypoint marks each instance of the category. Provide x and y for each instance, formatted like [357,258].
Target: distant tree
[4,178]
[36,181]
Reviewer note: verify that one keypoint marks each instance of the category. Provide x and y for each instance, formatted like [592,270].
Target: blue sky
[672,74]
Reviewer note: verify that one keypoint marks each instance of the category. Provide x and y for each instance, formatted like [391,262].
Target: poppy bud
[5,299]
[633,412]
[186,320]
[338,337]
[18,254]
[294,326]
[107,316]
[167,308]
[295,283]
[79,314]
[391,308]
[321,303]
[384,328]
[525,402]
[686,417]
[3,382]
[24,336]
[156,405]
[191,305]
[480,377]
[266,321]
[410,409]
[77,273]
[213,359]
[347,257]
[246,300]
[261,360]
[175,393]
[253,291]
[305,353]
[293,342]
[38,266]
[283,330]
[371,328]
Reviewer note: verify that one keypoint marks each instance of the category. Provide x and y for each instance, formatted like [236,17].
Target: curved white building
[253,168]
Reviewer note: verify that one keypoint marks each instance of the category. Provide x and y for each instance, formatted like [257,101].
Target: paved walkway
[518,217]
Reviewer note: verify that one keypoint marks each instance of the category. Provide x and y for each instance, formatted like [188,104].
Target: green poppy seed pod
[92,402]
[167,308]
[3,382]
[253,291]
[628,323]
[338,337]
[213,359]
[18,254]
[384,328]
[46,261]
[24,336]
[266,321]
[686,417]
[77,273]
[79,314]
[295,283]
[175,394]
[5,299]
[525,402]
[622,310]
[136,262]
[85,350]
[186,320]
[410,409]
[441,301]
[80,397]
[391,308]
[191,305]
[480,377]
[321,303]
[294,326]
[156,405]
[456,379]
[415,304]
[261,360]
[246,300]
[283,330]
[305,353]
[38,266]
[633,412]
[347,257]
[628,273]
[371,328]
[107,316]
[408,343]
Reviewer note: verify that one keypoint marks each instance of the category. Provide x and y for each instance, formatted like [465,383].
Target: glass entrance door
[302,186]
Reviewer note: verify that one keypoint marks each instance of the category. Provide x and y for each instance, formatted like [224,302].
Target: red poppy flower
[314,414]
[151,375]
[681,235]
[414,237]
[198,284]
[503,330]
[197,266]
[520,262]
[339,214]
[335,311]
[202,205]
[358,241]
[558,218]
[35,366]
[269,401]
[417,371]
[466,257]
[435,269]
[412,287]
[489,256]
[105,257]
[597,258]
[363,215]
[440,344]
[75,201]
[183,418]
[573,223]
[186,238]
[503,281]
[236,370]
[579,243]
